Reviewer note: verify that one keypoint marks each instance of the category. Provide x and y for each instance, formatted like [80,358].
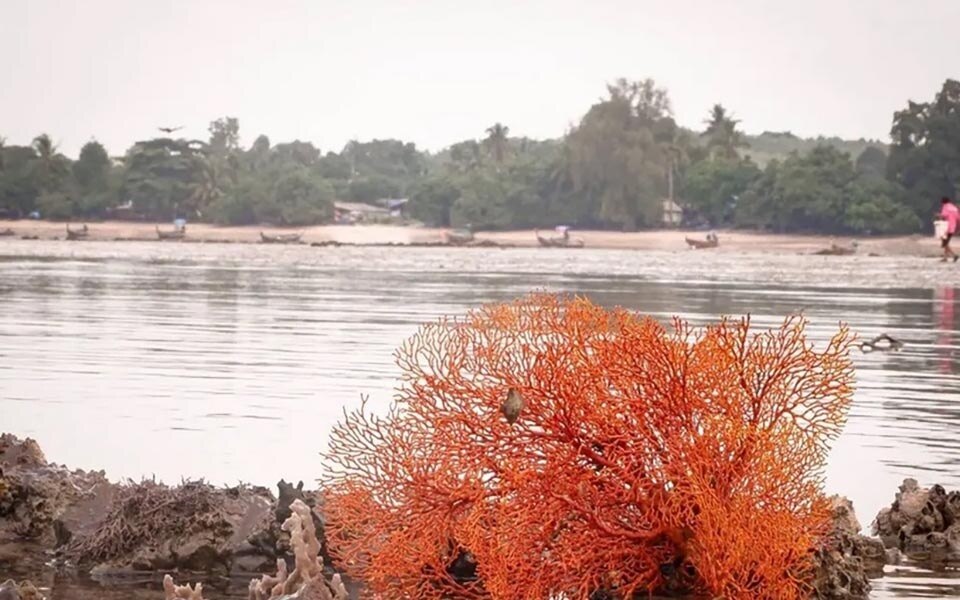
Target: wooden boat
[459,237]
[559,241]
[280,238]
[176,234]
[712,241]
[78,234]
[6,232]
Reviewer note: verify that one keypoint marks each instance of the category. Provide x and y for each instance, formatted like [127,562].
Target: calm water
[231,362]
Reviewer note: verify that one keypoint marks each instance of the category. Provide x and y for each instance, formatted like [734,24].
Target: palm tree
[46,150]
[724,139]
[52,165]
[497,141]
[205,188]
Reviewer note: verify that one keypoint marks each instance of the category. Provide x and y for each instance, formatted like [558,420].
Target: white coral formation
[172,591]
[306,582]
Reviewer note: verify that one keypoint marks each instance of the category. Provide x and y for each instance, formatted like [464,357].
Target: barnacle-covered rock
[307,580]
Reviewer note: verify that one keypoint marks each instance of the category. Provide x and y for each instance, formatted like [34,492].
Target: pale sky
[438,71]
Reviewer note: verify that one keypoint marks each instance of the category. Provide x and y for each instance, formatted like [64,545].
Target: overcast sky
[438,71]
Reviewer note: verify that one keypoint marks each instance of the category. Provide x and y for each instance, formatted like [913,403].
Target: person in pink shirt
[951,214]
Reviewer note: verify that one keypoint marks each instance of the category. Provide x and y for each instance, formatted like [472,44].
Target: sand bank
[730,241]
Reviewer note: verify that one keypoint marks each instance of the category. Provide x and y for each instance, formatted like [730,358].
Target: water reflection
[220,361]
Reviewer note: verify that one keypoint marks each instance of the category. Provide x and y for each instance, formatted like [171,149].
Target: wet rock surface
[25,590]
[307,581]
[847,560]
[77,519]
[43,505]
[921,521]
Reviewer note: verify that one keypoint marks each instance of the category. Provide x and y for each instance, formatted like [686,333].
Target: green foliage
[224,136]
[822,192]
[771,145]
[877,207]
[497,141]
[335,167]
[94,186]
[371,188]
[91,171]
[297,198]
[56,206]
[617,155]
[432,200]
[925,156]
[19,186]
[872,162]
[614,169]
[723,139]
[239,205]
[50,169]
[166,176]
[713,188]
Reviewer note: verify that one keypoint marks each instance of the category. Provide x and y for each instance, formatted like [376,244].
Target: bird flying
[170,129]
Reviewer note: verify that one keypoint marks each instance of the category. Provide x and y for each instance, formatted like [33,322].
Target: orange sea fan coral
[645,458]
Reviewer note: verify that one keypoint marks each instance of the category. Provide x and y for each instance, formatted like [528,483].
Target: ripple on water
[190,360]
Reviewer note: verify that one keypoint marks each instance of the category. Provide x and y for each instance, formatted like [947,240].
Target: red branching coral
[643,459]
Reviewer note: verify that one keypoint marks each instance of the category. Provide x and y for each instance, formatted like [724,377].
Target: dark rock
[39,501]
[10,590]
[921,522]
[847,561]
[951,508]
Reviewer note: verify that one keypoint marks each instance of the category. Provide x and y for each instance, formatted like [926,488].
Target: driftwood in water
[838,250]
[882,342]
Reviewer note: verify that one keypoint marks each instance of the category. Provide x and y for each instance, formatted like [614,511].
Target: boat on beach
[280,238]
[78,234]
[459,237]
[176,234]
[711,241]
[559,241]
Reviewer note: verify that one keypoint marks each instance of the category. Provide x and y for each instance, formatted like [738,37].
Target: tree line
[613,170]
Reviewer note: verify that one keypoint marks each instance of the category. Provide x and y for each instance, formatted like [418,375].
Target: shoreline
[916,245]
[79,524]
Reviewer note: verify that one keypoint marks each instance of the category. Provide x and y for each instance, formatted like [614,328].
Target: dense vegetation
[614,169]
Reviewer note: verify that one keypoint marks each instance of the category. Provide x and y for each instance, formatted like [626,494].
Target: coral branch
[645,459]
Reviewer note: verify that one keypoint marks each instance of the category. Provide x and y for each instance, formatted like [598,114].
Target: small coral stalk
[306,582]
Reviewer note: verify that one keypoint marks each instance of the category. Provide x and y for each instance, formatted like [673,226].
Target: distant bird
[512,406]
[170,129]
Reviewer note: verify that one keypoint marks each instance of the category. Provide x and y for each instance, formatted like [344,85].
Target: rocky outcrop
[194,526]
[82,519]
[307,581]
[11,590]
[847,561]
[921,520]
[43,505]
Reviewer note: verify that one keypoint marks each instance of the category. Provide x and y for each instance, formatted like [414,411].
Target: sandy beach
[672,239]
